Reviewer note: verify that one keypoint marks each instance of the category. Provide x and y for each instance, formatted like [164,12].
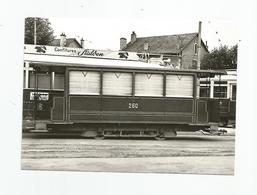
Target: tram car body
[222,89]
[102,93]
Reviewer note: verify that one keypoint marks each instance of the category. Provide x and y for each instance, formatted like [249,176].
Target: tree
[221,58]
[44,31]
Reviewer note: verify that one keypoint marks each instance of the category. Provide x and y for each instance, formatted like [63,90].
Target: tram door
[46,84]
[233,93]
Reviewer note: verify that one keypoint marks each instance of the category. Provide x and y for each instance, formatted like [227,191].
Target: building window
[194,64]
[149,84]
[195,48]
[84,82]
[117,83]
[220,92]
[146,46]
[179,85]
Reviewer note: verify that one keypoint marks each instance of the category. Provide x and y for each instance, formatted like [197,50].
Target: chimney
[146,45]
[62,40]
[133,37]
[123,43]
[82,42]
[206,44]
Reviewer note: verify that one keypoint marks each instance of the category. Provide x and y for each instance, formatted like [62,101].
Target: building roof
[69,41]
[170,44]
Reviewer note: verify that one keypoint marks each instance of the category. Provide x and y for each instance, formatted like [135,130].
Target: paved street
[187,153]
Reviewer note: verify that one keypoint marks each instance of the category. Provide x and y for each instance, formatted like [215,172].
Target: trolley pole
[198,58]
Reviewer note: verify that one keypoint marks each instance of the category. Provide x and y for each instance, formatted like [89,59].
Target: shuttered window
[84,82]
[117,83]
[179,86]
[149,84]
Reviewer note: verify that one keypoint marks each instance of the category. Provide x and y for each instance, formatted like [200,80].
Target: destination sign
[43,96]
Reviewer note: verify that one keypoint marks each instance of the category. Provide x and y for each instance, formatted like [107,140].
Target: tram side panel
[218,109]
[109,109]
[213,110]
[96,109]
[222,111]
[84,109]
[227,112]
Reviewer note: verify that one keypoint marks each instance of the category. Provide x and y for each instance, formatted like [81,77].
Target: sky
[102,23]
[105,33]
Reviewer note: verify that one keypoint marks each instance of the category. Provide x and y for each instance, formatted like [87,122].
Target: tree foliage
[44,31]
[221,58]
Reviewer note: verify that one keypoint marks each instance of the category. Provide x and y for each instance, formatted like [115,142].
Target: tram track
[211,154]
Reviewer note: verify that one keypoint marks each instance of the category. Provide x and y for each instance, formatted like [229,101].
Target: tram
[102,93]
[222,88]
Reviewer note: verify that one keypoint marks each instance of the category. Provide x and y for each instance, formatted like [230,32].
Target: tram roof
[74,57]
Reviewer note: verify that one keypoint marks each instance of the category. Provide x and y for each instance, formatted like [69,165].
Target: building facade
[180,49]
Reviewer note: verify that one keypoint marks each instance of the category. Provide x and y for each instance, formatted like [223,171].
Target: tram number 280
[132,105]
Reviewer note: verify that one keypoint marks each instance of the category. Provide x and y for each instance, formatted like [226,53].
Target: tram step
[40,125]
[39,131]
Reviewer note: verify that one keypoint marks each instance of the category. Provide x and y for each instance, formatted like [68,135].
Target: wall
[188,55]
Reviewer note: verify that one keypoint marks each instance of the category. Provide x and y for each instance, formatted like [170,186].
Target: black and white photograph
[158,103]
[124,97]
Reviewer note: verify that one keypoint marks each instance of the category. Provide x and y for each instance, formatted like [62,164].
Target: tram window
[39,81]
[204,91]
[233,92]
[32,80]
[44,81]
[148,84]
[179,85]
[116,83]
[24,78]
[84,82]
[220,91]
[59,81]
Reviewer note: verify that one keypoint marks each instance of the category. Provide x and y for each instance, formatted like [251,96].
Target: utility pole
[35,31]
[198,58]
[199,46]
